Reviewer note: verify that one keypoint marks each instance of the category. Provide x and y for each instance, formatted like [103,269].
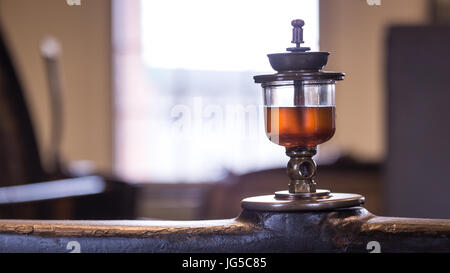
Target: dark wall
[418,96]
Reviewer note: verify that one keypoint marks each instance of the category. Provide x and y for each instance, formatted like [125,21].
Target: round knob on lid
[299,58]
[297,36]
[298,23]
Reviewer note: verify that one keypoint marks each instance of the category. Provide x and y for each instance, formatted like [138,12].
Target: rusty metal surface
[344,230]
[132,228]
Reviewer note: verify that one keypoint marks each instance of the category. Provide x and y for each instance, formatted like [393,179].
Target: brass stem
[301,169]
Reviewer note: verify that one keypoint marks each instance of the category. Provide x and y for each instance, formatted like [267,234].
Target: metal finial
[297,36]
[297,32]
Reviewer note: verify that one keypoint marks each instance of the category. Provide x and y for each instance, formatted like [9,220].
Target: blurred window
[186,106]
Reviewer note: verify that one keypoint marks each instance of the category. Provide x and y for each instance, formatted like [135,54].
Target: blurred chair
[84,198]
[346,175]
[21,194]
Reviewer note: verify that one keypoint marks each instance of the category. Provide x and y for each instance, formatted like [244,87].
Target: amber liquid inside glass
[300,126]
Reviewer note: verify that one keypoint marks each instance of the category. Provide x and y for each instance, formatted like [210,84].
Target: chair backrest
[19,156]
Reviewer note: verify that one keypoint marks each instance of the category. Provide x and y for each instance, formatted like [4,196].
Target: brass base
[302,195]
[324,202]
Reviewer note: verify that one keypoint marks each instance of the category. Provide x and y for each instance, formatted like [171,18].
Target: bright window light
[187,108]
[222,35]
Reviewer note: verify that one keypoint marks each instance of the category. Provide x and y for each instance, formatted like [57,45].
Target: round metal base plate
[301,195]
[332,201]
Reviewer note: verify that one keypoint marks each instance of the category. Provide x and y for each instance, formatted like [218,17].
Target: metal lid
[299,76]
[298,63]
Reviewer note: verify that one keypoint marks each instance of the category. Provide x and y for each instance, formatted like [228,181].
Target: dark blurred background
[156,115]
